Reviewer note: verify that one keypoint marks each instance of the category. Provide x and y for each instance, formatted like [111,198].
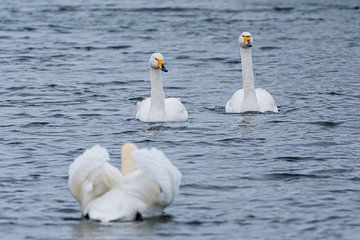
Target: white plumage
[264,100]
[146,186]
[175,111]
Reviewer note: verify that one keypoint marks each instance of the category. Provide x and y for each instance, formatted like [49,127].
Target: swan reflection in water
[247,123]
[150,227]
[156,129]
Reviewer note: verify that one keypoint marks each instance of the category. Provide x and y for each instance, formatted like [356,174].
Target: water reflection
[247,124]
[156,129]
[88,229]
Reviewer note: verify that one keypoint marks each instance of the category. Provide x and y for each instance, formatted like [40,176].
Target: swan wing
[158,170]
[175,110]
[90,175]
[235,102]
[265,101]
[143,109]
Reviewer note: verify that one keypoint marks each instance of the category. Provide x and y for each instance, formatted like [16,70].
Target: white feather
[154,163]
[90,175]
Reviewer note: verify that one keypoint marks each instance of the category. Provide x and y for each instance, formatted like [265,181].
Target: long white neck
[250,102]
[157,105]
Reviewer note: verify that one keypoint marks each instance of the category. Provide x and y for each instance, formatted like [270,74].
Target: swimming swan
[249,99]
[147,183]
[157,108]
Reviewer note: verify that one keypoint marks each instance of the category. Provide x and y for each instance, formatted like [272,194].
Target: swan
[249,99]
[147,183]
[157,108]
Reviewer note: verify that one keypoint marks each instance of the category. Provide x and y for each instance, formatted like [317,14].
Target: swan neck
[250,102]
[127,161]
[157,105]
[247,69]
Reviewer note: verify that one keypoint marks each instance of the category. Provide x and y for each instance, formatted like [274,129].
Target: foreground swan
[249,99]
[148,182]
[157,108]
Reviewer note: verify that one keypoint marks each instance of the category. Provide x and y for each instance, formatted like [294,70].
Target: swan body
[265,102]
[157,108]
[249,99]
[147,183]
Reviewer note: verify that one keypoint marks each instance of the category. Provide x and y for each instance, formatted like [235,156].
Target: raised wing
[156,166]
[90,175]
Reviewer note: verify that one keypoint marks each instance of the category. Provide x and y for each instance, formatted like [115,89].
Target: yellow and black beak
[247,41]
[161,65]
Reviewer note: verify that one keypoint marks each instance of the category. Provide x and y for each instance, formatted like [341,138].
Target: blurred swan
[157,108]
[249,99]
[147,183]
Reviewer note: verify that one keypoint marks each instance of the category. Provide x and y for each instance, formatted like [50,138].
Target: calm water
[72,72]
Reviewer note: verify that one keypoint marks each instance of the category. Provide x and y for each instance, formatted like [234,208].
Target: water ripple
[72,73]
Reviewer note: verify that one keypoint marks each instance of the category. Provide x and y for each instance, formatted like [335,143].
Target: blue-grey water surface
[71,73]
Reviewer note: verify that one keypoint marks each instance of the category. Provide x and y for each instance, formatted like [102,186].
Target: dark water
[72,72]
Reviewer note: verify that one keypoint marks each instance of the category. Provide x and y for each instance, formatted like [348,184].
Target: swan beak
[161,65]
[247,41]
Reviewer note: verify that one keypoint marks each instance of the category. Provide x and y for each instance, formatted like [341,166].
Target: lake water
[71,73]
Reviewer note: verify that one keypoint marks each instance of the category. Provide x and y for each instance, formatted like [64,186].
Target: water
[72,72]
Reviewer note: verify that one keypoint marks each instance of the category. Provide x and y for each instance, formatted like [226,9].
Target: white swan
[157,108]
[249,99]
[148,182]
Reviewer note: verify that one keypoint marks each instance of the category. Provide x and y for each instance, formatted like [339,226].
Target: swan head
[127,161]
[245,40]
[156,61]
